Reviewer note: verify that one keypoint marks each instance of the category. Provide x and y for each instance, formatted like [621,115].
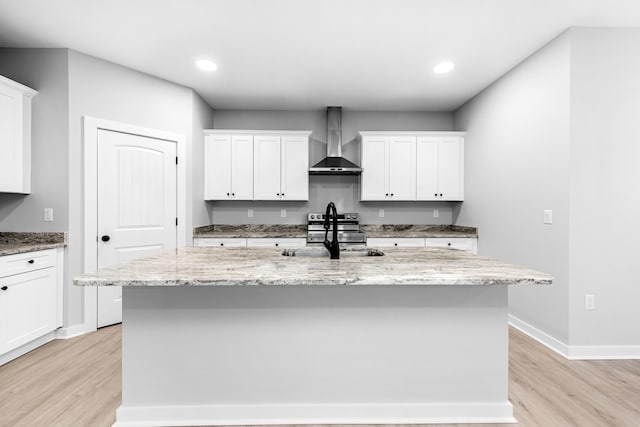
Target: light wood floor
[76,382]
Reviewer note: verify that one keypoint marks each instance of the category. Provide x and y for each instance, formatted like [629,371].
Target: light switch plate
[381,213]
[283,213]
[250,213]
[436,213]
[548,216]
[48,214]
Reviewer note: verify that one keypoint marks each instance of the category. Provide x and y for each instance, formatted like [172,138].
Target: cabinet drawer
[277,242]
[233,242]
[28,261]
[402,242]
[461,243]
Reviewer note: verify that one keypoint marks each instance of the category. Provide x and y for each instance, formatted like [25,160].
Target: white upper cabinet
[404,166]
[440,168]
[266,160]
[374,181]
[294,163]
[228,170]
[15,137]
[256,165]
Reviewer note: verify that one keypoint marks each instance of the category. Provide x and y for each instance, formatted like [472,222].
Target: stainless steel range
[348,228]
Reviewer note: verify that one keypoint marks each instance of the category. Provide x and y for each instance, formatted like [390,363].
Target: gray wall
[44,70]
[516,166]
[344,191]
[605,186]
[108,91]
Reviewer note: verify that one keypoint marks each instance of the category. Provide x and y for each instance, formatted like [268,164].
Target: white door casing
[95,130]
[136,206]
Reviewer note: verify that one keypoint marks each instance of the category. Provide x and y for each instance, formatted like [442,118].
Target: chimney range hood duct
[334,163]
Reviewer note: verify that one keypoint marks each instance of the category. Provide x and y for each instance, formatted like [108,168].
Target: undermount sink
[322,252]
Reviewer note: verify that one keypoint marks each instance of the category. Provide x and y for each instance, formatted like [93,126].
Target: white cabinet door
[294,168]
[427,168]
[15,137]
[28,307]
[462,243]
[242,167]
[440,174]
[374,181]
[266,160]
[283,242]
[401,242]
[402,168]
[217,167]
[229,242]
[450,169]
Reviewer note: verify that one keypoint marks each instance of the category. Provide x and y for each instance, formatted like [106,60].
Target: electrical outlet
[589,302]
[48,214]
[283,213]
[381,213]
[436,213]
[548,216]
[250,213]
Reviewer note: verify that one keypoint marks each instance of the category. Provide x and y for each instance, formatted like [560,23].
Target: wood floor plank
[77,382]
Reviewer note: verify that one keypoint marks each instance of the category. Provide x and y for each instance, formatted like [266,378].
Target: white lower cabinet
[30,298]
[403,242]
[284,242]
[230,242]
[468,244]
[462,243]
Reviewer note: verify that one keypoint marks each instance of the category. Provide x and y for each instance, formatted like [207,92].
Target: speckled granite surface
[266,266]
[413,230]
[295,230]
[251,230]
[19,242]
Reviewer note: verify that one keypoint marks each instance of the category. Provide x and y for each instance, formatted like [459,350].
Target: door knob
[106,238]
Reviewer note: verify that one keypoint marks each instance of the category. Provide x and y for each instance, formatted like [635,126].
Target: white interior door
[137,206]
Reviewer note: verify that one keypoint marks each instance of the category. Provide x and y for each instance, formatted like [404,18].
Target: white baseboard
[72,331]
[240,414]
[32,345]
[576,352]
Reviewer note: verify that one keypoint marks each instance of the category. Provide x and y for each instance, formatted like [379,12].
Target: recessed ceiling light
[443,67]
[206,65]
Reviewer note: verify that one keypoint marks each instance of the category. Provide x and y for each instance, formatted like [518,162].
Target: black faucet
[332,246]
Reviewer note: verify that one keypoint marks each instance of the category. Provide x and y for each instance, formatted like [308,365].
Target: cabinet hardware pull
[395,244]
[277,244]
[4,288]
[31,261]
[221,244]
[440,194]
[391,194]
[228,194]
[386,194]
[105,238]
[233,194]
[277,194]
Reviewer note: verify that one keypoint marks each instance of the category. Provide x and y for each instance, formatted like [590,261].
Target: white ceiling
[307,54]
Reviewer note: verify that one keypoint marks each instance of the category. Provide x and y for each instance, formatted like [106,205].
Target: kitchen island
[249,336]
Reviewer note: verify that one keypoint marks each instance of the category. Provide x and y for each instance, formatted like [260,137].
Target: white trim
[256,132]
[26,90]
[576,352]
[411,133]
[90,138]
[31,345]
[72,331]
[398,413]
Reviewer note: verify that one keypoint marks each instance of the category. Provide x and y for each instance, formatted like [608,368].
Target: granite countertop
[18,242]
[252,230]
[300,230]
[266,266]
[417,230]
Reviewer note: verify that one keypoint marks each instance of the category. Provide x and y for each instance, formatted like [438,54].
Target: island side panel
[314,354]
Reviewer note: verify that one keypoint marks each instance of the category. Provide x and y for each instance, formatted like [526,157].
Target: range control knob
[312,216]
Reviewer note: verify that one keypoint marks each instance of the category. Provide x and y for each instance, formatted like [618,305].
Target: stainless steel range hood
[334,163]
